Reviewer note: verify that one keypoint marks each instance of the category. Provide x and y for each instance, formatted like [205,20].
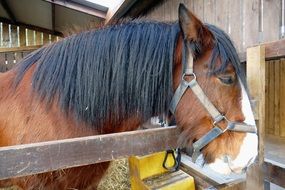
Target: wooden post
[256,80]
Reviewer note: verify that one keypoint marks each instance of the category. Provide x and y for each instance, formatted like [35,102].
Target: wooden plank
[22,33]
[14,36]
[235,25]
[53,38]
[251,23]
[274,50]
[46,38]
[267,79]
[222,16]
[271,98]
[168,9]
[39,38]
[29,26]
[256,67]
[14,49]
[274,174]
[42,157]
[282,100]
[5,35]
[276,97]
[10,60]
[18,56]
[271,20]
[209,176]
[30,37]
[210,11]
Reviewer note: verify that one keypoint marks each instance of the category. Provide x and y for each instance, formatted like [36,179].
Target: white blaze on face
[249,147]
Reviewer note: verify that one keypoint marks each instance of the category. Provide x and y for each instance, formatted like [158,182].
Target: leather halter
[212,110]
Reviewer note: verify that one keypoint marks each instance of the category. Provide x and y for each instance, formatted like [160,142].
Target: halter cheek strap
[207,104]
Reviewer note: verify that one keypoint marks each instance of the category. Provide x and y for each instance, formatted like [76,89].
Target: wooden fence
[275,101]
[16,42]
[17,36]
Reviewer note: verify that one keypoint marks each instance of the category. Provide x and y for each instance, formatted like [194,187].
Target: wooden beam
[118,11]
[21,160]
[32,27]
[207,175]
[256,82]
[79,8]
[275,50]
[8,10]
[24,48]
[274,174]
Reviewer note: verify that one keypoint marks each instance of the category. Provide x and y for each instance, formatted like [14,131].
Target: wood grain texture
[14,36]
[282,99]
[20,49]
[210,11]
[274,174]
[271,98]
[235,24]
[5,35]
[46,38]
[199,9]
[222,16]
[276,78]
[39,40]
[271,20]
[251,22]
[30,38]
[256,67]
[22,33]
[275,49]
[42,157]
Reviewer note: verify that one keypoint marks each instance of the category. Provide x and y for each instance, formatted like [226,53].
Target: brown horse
[114,79]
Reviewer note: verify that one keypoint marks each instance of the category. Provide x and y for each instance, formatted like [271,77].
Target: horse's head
[224,129]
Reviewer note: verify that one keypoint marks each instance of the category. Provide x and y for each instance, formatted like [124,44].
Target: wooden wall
[16,42]
[274,98]
[15,36]
[248,22]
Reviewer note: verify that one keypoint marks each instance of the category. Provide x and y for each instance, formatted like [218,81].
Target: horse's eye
[227,79]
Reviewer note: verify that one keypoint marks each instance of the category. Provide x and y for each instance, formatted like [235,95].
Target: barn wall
[15,36]
[248,22]
[16,42]
[274,97]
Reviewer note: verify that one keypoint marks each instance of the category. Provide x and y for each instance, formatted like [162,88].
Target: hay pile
[117,176]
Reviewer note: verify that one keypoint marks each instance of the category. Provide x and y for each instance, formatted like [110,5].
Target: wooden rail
[28,159]
[21,49]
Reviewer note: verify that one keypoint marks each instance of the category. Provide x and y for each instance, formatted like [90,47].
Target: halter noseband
[212,110]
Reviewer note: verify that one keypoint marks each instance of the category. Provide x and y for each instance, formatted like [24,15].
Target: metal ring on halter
[218,121]
[189,74]
[190,83]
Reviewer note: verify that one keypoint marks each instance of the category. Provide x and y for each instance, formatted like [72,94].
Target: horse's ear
[191,27]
